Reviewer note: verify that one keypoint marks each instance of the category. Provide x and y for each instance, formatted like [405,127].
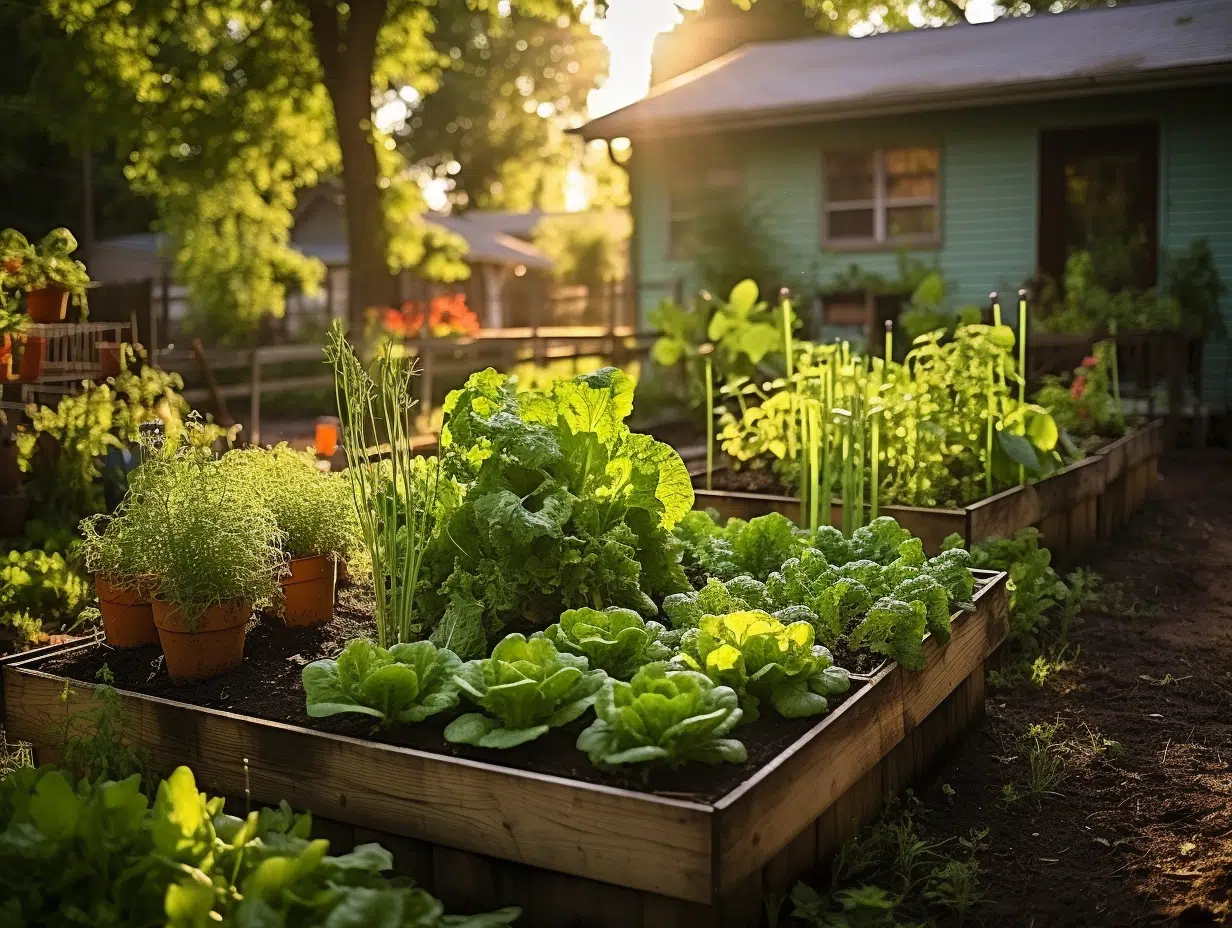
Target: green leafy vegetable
[760,658]
[663,716]
[564,508]
[893,628]
[404,684]
[525,688]
[616,641]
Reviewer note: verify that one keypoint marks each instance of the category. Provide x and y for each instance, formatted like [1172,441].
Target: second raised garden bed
[568,851]
[1072,508]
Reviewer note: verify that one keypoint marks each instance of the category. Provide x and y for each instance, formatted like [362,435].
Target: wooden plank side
[771,809]
[1002,515]
[630,839]
[974,638]
[746,505]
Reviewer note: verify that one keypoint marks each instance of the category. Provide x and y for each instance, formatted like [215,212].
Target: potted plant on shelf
[316,513]
[214,550]
[123,579]
[47,274]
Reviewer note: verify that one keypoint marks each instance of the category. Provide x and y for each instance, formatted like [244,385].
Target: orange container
[214,648]
[308,593]
[49,304]
[325,437]
[128,620]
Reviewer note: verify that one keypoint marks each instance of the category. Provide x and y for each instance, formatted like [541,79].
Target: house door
[1099,192]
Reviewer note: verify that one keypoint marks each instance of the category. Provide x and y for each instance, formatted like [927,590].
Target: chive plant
[394,498]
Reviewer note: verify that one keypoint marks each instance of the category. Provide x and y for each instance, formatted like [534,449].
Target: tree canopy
[230,108]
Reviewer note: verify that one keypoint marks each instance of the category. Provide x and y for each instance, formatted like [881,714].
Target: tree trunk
[347,58]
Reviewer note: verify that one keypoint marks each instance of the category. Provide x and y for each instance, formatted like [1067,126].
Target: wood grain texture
[630,839]
[1002,515]
[772,808]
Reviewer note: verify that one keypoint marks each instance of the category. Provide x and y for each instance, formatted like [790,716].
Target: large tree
[231,107]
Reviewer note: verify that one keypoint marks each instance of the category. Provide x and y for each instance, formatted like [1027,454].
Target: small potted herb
[123,579]
[47,274]
[315,512]
[215,551]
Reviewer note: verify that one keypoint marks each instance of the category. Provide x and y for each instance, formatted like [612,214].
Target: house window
[882,196]
[693,192]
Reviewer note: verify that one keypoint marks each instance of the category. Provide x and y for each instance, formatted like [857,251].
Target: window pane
[849,224]
[911,172]
[911,221]
[849,175]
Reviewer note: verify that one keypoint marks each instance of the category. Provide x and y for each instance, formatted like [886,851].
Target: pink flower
[1090,361]
[1079,387]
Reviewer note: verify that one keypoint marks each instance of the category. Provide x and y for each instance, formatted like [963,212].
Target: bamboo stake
[706,351]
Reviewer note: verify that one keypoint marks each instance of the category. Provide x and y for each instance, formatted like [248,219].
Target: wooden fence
[438,359]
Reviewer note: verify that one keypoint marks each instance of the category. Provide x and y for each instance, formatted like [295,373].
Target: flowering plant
[441,317]
[1086,406]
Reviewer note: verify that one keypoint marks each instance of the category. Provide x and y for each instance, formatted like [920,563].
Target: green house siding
[1196,196]
[989,192]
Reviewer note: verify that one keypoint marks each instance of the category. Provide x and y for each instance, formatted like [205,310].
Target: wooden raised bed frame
[1072,508]
[481,835]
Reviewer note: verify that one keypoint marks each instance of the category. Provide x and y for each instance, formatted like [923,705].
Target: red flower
[1090,361]
[13,265]
[1079,387]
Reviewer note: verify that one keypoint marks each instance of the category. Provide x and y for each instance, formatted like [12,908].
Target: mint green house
[989,150]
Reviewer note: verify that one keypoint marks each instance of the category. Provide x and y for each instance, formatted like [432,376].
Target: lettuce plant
[893,628]
[663,716]
[616,641]
[98,853]
[564,507]
[525,688]
[403,684]
[761,658]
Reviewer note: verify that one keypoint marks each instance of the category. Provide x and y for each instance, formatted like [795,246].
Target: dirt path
[1123,815]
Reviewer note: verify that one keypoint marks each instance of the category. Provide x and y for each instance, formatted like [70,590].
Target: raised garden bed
[569,851]
[1071,508]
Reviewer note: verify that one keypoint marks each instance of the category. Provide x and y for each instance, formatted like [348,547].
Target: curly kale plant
[525,688]
[753,548]
[762,658]
[663,716]
[405,684]
[616,641]
[564,508]
[893,628]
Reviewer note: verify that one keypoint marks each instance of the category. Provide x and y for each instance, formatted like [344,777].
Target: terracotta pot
[109,358]
[32,358]
[128,620]
[308,594]
[47,305]
[214,648]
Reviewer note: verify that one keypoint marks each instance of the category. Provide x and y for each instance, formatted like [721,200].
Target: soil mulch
[268,685]
[1140,832]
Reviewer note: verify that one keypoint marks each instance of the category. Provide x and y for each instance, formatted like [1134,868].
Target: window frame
[880,204]
[679,250]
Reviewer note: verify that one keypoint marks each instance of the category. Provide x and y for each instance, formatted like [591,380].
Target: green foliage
[760,657]
[404,684]
[585,248]
[616,641]
[682,334]
[93,743]
[315,510]
[746,331]
[733,242]
[99,853]
[62,450]
[564,508]
[204,537]
[928,311]
[933,414]
[754,548]
[395,498]
[894,628]
[39,587]
[1194,282]
[525,688]
[1083,404]
[24,267]
[663,716]
[1092,303]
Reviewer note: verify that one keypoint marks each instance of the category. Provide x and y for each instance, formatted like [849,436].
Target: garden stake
[1022,366]
[988,436]
[793,398]
[1116,372]
[814,425]
[706,350]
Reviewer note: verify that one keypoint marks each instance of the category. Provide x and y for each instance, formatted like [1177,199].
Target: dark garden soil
[1140,832]
[268,686]
[745,480]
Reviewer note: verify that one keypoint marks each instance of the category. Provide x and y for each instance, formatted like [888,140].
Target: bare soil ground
[1121,815]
